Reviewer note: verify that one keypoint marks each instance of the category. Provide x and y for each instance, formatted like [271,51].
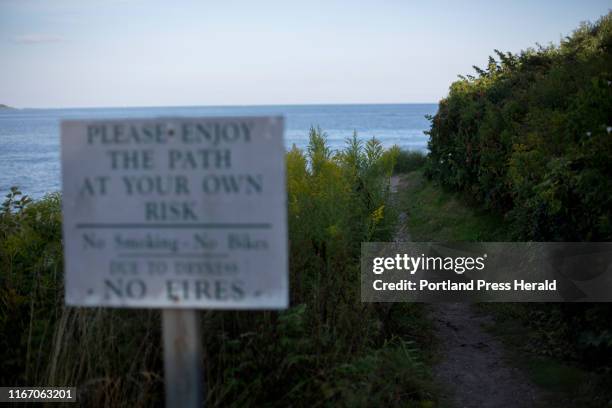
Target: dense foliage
[328,348]
[407,160]
[531,136]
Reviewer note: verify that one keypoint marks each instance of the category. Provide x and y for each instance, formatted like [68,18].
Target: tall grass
[328,348]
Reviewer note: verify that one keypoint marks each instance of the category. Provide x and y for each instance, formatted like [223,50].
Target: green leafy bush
[531,136]
[31,283]
[408,160]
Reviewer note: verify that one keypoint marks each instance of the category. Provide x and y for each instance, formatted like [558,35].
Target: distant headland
[5,107]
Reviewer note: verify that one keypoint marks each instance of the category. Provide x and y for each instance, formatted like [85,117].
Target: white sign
[175,213]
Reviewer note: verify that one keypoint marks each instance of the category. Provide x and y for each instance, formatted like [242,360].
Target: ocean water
[30,142]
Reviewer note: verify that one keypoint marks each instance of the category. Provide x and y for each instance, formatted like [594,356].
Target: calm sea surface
[29,138]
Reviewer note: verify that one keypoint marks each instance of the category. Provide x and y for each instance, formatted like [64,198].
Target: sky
[117,53]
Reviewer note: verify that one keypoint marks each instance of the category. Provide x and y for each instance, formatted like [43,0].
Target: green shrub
[408,160]
[31,283]
[530,136]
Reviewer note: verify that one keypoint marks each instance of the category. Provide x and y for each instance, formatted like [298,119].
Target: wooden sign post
[182,358]
[179,214]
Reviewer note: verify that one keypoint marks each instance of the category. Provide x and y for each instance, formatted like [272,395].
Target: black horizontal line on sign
[170,255]
[177,226]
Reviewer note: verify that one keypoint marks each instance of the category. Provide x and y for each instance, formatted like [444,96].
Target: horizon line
[220,105]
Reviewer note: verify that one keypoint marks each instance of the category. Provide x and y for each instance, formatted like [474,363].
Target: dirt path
[473,371]
[473,367]
[401,235]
